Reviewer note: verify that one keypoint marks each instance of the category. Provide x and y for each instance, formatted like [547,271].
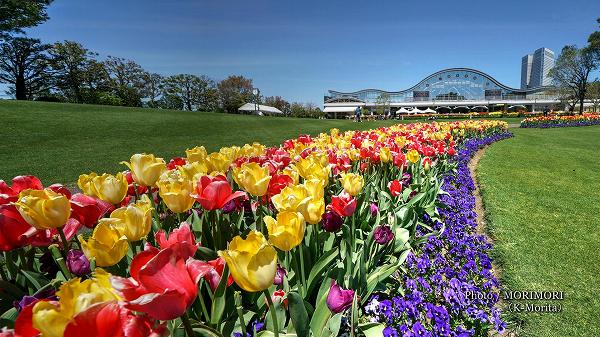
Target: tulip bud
[278,297]
[339,299]
[332,222]
[279,275]
[374,209]
[383,234]
[77,263]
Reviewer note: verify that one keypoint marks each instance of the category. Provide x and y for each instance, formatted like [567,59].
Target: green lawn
[57,142]
[541,191]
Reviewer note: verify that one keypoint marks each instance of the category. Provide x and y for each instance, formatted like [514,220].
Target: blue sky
[299,49]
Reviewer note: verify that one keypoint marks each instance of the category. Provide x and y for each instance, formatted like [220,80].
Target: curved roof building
[448,85]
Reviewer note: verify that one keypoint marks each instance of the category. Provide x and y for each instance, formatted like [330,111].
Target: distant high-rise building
[526,64]
[543,61]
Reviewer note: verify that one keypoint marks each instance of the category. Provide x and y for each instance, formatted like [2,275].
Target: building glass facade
[456,84]
[543,61]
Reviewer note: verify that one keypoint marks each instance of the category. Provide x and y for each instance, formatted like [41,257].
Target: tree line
[572,71]
[67,71]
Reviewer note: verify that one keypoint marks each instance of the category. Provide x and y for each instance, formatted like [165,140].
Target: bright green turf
[541,191]
[57,142]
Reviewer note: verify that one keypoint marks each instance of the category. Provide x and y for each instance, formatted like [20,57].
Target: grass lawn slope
[57,142]
[541,191]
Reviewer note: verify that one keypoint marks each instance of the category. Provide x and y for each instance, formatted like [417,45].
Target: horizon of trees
[69,72]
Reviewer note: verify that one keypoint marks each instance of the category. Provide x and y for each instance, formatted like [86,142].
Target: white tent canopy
[262,109]
[329,109]
[429,111]
[403,110]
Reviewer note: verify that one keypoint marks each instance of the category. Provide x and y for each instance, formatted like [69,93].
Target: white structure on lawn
[259,109]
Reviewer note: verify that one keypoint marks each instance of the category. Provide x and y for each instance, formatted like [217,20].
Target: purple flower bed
[558,125]
[449,289]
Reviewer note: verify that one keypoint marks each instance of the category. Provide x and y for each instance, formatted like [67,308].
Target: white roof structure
[262,109]
[429,111]
[339,109]
[417,111]
[403,110]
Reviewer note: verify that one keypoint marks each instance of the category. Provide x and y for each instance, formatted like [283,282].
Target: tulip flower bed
[561,121]
[300,239]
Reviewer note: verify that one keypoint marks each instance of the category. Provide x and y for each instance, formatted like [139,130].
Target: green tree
[194,92]
[234,92]
[279,103]
[76,67]
[593,94]
[126,80]
[382,103]
[572,70]
[152,88]
[18,14]
[24,66]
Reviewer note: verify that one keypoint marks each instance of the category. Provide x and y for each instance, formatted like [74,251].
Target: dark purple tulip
[383,234]
[406,179]
[332,222]
[48,265]
[339,299]
[279,275]
[77,263]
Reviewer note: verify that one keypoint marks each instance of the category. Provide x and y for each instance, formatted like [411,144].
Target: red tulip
[131,187]
[214,276]
[343,204]
[278,182]
[395,187]
[88,210]
[214,192]
[12,228]
[109,319]
[23,323]
[9,194]
[163,284]
[176,162]
[399,159]
[182,235]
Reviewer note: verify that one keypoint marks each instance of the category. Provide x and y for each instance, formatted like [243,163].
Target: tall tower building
[543,61]
[526,63]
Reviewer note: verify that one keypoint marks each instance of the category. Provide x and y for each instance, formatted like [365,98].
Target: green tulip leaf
[319,268]
[298,314]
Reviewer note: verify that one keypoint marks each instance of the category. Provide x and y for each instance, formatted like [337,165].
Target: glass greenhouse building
[447,88]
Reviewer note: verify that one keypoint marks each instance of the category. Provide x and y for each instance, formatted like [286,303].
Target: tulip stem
[63,238]
[301,251]
[187,325]
[273,312]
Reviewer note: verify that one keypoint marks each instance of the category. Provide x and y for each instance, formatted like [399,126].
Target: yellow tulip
[352,183]
[85,183]
[217,162]
[109,188]
[252,262]
[253,178]
[292,172]
[287,231]
[313,211]
[146,168]
[175,189]
[196,154]
[385,155]
[413,156]
[43,209]
[194,170]
[74,296]
[231,153]
[134,220]
[292,198]
[107,245]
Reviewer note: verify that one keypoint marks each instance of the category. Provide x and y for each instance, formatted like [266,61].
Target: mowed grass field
[541,191]
[57,142]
